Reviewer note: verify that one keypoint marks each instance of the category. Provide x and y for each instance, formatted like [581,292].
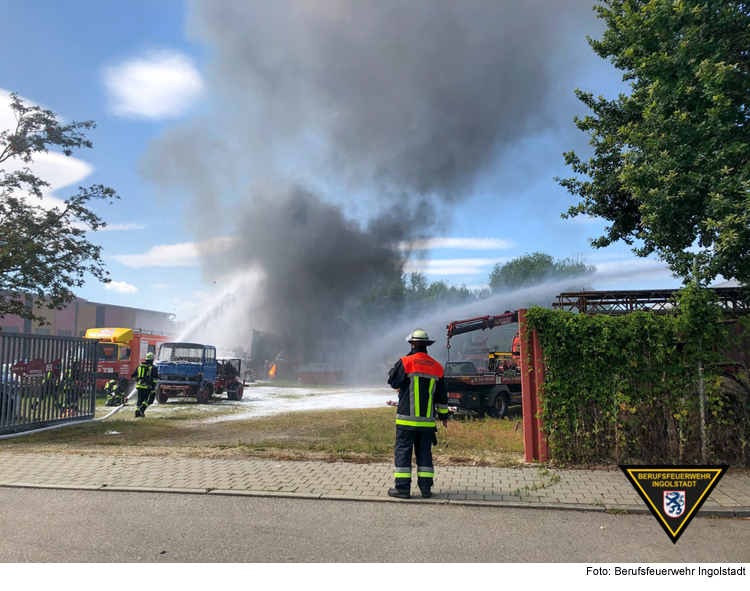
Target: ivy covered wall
[622,389]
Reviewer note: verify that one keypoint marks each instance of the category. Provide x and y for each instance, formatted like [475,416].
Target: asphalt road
[40,525]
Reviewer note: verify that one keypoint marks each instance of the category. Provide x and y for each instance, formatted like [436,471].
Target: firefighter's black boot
[426,493]
[139,414]
[399,493]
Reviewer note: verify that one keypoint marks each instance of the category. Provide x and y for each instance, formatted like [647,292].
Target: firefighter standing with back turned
[421,392]
[145,376]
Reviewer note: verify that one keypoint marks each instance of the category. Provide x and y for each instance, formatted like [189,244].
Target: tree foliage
[533,269]
[671,162]
[44,250]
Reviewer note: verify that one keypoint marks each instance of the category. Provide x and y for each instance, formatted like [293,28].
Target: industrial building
[80,315]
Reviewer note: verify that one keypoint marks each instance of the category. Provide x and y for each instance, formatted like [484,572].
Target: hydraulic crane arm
[481,323]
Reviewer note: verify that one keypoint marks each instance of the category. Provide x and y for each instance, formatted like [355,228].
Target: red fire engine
[121,350]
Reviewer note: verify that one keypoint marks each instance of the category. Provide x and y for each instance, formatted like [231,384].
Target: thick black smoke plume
[392,109]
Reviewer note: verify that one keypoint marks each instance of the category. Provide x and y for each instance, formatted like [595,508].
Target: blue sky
[133,68]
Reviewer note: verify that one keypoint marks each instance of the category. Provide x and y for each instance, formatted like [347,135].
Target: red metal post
[532,377]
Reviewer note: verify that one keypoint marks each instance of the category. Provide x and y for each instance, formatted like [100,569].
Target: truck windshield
[107,352]
[191,353]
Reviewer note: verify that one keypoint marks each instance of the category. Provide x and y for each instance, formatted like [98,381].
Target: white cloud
[159,85]
[462,243]
[584,220]
[452,266]
[632,274]
[121,287]
[185,254]
[123,227]
[58,170]
[630,266]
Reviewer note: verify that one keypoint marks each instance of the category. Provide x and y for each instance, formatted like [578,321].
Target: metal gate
[45,380]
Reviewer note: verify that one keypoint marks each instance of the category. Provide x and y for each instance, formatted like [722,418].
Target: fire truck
[120,350]
[483,391]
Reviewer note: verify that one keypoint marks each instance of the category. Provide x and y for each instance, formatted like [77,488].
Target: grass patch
[483,442]
[361,435]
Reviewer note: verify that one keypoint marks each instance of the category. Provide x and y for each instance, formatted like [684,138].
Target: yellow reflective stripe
[416,423]
[416,396]
[429,405]
[442,411]
[426,474]
[402,474]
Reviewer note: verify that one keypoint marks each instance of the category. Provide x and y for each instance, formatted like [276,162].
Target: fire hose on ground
[68,424]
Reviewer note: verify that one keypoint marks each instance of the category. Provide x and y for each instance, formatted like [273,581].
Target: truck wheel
[205,393]
[500,406]
[235,392]
[161,397]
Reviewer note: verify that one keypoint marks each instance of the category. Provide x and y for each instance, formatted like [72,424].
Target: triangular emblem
[674,494]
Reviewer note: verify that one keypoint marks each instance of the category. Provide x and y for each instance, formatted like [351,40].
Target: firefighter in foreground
[145,376]
[422,398]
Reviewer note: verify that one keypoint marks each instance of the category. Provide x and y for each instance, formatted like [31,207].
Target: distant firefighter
[115,395]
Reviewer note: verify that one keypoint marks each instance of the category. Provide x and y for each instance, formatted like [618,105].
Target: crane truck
[489,391]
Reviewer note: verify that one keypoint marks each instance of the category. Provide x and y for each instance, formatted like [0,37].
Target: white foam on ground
[263,401]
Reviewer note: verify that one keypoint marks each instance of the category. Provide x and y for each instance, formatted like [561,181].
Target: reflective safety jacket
[145,376]
[422,395]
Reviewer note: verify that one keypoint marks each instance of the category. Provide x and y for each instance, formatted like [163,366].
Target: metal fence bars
[45,380]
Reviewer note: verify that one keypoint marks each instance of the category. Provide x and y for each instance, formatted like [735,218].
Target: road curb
[184,491]
[228,492]
[727,513]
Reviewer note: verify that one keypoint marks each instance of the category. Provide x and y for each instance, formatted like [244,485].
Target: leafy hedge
[624,388]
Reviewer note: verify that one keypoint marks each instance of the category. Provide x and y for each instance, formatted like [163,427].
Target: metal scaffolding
[734,301]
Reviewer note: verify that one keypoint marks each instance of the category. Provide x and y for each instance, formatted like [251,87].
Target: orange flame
[272,373]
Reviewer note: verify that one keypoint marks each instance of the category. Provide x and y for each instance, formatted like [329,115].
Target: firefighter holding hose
[145,376]
[422,398]
[115,396]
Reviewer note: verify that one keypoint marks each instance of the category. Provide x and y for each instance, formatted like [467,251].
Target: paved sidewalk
[591,490]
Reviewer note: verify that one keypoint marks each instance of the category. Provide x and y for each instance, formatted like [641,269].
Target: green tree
[671,162]
[43,251]
[535,268]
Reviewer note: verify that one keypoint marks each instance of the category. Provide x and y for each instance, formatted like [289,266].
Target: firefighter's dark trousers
[421,442]
[145,398]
